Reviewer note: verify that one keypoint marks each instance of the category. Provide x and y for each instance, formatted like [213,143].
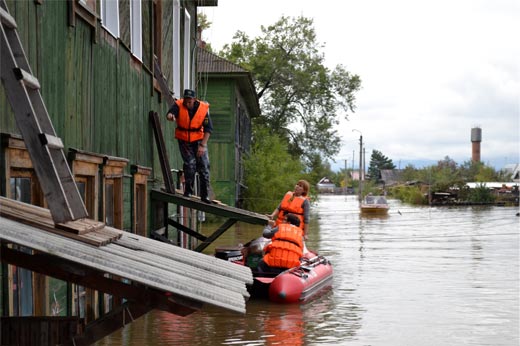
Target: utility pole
[361,168]
[360,163]
[345,186]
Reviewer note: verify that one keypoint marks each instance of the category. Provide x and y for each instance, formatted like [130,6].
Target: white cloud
[430,70]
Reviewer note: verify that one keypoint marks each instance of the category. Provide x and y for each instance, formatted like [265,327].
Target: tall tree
[378,161]
[270,171]
[300,97]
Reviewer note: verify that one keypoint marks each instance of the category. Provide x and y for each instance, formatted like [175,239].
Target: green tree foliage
[300,97]
[481,194]
[409,173]
[269,172]
[409,194]
[378,161]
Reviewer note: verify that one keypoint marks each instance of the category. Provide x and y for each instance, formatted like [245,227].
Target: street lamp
[360,161]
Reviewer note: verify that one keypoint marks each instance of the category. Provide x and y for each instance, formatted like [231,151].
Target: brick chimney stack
[476,138]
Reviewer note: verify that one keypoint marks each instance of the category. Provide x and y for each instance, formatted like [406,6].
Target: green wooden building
[94,60]
[230,91]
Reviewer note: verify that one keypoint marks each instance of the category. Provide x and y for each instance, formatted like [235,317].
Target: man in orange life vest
[286,247]
[193,129]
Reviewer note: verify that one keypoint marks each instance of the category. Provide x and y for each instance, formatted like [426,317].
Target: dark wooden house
[94,65]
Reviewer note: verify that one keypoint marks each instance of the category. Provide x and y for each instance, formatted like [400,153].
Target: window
[22,185]
[85,167]
[187,50]
[109,202]
[139,200]
[110,16]
[176,49]
[113,171]
[136,35]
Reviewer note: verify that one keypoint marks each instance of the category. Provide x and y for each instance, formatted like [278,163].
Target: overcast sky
[430,71]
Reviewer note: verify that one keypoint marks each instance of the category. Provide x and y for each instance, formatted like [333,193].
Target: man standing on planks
[193,129]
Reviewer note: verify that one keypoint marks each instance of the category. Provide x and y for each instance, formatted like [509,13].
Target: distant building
[325,185]
[514,170]
[391,177]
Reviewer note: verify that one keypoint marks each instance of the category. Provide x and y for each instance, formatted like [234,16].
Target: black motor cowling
[230,254]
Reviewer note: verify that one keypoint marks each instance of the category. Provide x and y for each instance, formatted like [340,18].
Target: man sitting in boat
[286,247]
[381,200]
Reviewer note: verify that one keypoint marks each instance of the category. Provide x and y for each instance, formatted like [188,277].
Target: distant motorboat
[374,205]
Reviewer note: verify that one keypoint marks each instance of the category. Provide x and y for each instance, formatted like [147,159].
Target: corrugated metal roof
[169,268]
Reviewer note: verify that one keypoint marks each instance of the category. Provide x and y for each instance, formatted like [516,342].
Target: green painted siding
[220,95]
[97,94]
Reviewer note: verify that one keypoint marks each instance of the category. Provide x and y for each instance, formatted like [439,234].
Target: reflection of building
[325,185]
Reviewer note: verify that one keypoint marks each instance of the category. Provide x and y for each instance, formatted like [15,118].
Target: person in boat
[295,202]
[286,247]
[381,200]
[369,199]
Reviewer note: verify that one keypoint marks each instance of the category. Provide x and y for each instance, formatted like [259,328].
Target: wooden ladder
[44,147]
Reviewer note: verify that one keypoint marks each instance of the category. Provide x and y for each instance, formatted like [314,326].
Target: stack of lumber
[86,230]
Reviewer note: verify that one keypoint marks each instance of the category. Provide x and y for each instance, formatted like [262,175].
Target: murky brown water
[420,276]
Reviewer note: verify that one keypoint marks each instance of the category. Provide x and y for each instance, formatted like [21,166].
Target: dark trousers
[193,164]
[265,268]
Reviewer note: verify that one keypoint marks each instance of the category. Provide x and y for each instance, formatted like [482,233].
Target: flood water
[419,276]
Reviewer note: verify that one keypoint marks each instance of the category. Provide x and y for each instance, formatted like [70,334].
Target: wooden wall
[97,94]
[225,151]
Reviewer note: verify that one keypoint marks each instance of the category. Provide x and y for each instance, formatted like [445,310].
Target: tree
[300,97]
[378,161]
[269,172]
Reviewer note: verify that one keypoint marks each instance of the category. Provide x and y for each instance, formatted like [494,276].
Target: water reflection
[420,276]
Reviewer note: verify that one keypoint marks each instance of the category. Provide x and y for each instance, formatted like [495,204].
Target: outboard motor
[230,254]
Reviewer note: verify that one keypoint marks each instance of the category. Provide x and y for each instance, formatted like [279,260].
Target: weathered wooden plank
[130,267]
[81,226]
[98,234]
[186,256]
[188,270]
[88,277]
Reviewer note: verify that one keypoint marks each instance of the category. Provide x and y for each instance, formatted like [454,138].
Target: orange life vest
[291,204]
[286,247]
[190,130]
